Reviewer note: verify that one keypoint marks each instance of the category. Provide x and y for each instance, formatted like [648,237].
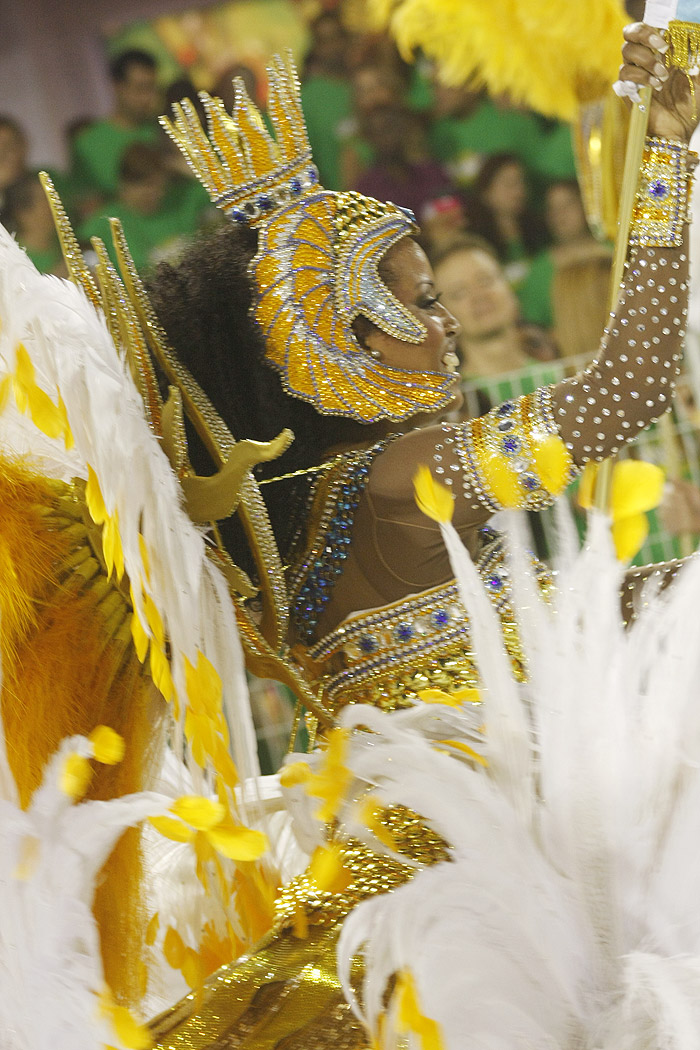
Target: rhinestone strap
[325,555]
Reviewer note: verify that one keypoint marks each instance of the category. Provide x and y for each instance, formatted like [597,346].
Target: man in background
[98,150]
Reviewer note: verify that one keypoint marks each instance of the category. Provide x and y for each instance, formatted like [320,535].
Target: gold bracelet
[661,207]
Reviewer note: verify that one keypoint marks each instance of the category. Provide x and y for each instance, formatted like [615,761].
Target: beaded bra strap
[324,558]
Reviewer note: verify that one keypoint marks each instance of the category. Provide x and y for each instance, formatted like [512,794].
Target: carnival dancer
[318,311]
[315,311]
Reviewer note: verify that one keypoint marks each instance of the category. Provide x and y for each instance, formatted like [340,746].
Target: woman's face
[410,278]
[564,214]
[506,193]
[474,288]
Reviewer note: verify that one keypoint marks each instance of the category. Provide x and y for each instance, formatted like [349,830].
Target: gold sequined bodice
[387,656]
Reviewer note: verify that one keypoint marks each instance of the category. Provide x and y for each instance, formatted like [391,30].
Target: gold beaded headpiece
[316,267]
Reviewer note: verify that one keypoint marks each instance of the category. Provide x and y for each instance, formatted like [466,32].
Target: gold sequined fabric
[286,996]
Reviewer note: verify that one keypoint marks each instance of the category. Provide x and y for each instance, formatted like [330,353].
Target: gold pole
[639,121]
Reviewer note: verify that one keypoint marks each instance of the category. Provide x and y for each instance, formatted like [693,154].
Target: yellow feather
[637,486]
[545,54]
[629,534]
[435,500]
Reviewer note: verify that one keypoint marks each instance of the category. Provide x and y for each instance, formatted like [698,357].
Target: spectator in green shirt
[499,211]
[567,288]
[326,95]
[159,212]
[98,150]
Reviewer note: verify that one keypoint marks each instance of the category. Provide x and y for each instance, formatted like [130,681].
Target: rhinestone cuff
[506,440]
[661,207]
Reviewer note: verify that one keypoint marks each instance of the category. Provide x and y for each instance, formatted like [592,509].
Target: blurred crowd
[493,188]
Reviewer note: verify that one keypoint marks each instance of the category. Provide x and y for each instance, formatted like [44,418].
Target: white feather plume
[51,972]
[567,917]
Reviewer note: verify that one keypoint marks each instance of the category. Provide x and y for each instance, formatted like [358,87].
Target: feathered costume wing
[97,626]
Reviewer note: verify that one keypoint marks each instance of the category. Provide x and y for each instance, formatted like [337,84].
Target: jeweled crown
[246,171]
[317,264]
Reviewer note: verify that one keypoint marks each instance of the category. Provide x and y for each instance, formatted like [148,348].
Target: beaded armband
[662,204]
[514,456]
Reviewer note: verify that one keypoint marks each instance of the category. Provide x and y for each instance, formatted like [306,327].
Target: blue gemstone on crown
[511,445]
[404,632]
[238,216]
[295,186]
[505,409]
[368,644]
[440,618]
[529,482]
[494,582]
[658,189]
[265,203]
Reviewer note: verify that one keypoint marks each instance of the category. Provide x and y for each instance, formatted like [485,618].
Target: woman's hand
[673,113]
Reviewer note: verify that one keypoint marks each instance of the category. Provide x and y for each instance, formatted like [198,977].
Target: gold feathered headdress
[316,267]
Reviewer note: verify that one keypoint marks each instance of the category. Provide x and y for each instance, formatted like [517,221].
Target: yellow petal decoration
[139,636]
[629,535]
[160,672]
[552,463]
[456,699]
[173,948]
[5,387]
[202,813]
[108,747]
[411,1019]
[435,500]
[145,558]
[636,487]
[469,752]
[51,419]
[130,1033]
[75,776]
[204,688]
[238,842]
[333,778]
[152,929]
[295,773]
[327,869]
[501,481]
[370,815]
[173,829]
[586,487]
[94,499]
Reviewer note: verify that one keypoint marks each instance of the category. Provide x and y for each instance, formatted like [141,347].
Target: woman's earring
[375,354]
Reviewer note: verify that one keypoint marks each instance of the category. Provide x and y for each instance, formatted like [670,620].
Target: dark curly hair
[204,305]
